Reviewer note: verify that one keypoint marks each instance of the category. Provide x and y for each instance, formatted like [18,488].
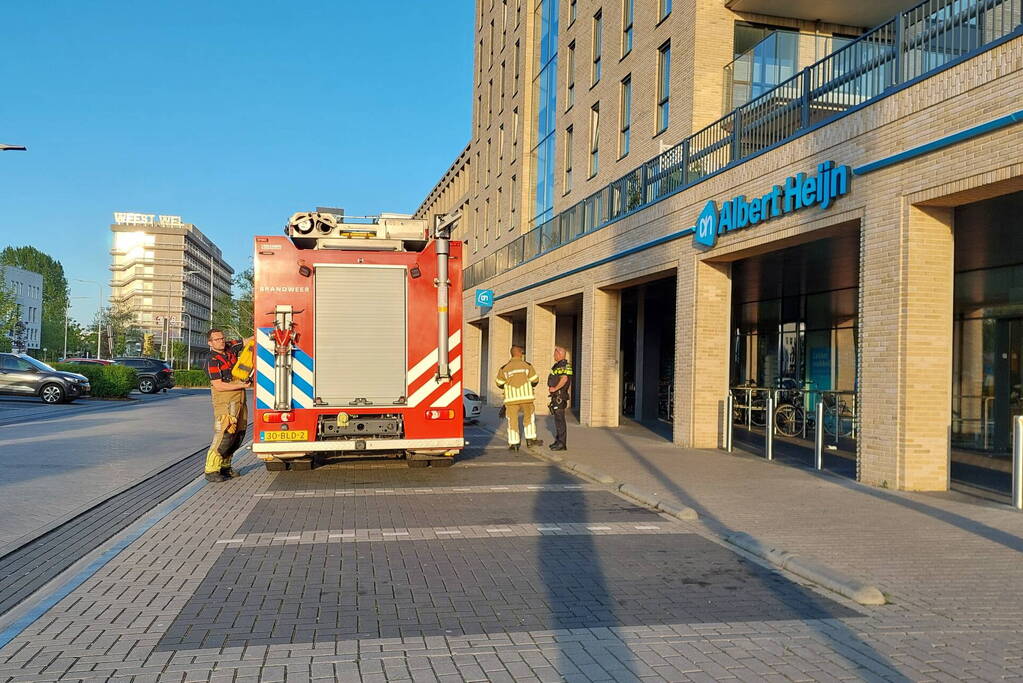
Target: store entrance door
[1007,381]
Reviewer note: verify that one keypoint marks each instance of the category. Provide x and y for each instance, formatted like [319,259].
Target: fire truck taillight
[276,417]
[446,414]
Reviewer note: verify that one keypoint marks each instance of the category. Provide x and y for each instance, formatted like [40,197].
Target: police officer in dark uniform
[558,384]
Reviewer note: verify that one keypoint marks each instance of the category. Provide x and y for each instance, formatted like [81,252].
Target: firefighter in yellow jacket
[516,379]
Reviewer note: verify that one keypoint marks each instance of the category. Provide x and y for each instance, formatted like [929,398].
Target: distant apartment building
[163,268]
[27,287]
[815,203]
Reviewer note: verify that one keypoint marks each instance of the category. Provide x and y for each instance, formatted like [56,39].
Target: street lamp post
[188,341]
[99,313]
[211,289]
[67,310]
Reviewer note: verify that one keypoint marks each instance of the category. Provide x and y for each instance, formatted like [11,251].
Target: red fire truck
[358,342]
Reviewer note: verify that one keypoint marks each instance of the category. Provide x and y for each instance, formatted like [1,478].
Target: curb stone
[678,511]
[850,587]
[855,589]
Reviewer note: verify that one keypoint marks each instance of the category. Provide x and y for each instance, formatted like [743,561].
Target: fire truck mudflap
[358,343]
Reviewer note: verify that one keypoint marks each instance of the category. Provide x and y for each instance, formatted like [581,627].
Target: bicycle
[839,419]
[755,411]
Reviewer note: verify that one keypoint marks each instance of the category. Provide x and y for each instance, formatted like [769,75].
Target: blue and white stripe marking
[301,373]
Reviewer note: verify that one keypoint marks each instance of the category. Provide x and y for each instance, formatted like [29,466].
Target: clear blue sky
[232,114]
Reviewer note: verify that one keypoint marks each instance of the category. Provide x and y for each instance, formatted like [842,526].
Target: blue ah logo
[707,225]
[484,298]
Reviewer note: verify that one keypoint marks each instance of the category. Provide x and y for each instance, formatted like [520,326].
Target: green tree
[55,290]
[118,328]
[244,284]
[233,314]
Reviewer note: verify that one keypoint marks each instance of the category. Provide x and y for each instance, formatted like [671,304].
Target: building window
[572,11]
[479,62]
[500,148]
[490,103]
[663,9]
[500,213]
[476,230]
[625,117]
[486,168]
[486,222]
[491,42]
[628,10]
[598,24]
[515,90]
[568,159]
[663,86]
[504,23]
[594,139]
[513,200]
[515,133]
[500,104]
[570,89]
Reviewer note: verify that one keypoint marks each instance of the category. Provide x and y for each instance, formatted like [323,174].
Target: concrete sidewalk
[943,559]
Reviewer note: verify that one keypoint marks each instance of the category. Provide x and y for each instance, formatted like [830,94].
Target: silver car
[23,375]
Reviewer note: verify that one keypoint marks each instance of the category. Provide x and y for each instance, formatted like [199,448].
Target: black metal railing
[908,46]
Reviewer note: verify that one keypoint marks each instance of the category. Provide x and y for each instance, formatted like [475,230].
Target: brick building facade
[895,303]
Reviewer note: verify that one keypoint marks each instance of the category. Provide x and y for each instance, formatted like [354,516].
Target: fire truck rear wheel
[442,462]
[276,465]
[418,463]
[301,464]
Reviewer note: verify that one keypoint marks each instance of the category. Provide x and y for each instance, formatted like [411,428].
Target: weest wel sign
[797,192]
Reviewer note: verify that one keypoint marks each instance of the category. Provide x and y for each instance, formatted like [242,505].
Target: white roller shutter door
[360,335]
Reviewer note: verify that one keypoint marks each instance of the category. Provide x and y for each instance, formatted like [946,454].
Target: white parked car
[472,404]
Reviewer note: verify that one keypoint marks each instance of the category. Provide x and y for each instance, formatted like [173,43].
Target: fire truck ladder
[283,357]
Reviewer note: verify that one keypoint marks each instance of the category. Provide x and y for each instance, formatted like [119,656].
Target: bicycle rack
[729,426]
[818,436]
[1017,462]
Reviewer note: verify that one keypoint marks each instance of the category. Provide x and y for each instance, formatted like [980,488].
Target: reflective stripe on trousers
[230,418]
[512,410]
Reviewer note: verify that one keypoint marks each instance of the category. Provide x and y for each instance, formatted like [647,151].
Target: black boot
[229,472]
[513,447]
[556,446]
[215,477]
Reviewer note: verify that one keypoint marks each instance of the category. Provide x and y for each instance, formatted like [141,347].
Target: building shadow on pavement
[972,526]
[832,631]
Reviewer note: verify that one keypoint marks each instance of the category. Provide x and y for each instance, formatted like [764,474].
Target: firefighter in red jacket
[230,414]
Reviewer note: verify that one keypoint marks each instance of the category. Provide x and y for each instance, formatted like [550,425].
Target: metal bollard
[1017,462]
[769,428]
[818,437]
[729,408]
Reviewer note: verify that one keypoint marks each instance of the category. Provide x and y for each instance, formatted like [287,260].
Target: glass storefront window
[987,340]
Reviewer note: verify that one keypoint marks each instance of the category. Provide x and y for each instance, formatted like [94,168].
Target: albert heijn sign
[797,192]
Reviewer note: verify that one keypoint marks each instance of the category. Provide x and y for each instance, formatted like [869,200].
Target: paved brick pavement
[74,456]
[344,573]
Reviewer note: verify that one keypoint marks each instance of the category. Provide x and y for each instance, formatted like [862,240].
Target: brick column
[498,344]
[540,325]
[472,342]
[703,312]
[598,390]
[905,369]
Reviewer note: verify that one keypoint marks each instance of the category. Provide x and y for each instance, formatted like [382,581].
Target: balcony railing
[772,61]
[908,46]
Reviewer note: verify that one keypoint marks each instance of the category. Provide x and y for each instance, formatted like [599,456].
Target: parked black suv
[154,374]
[23,375]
